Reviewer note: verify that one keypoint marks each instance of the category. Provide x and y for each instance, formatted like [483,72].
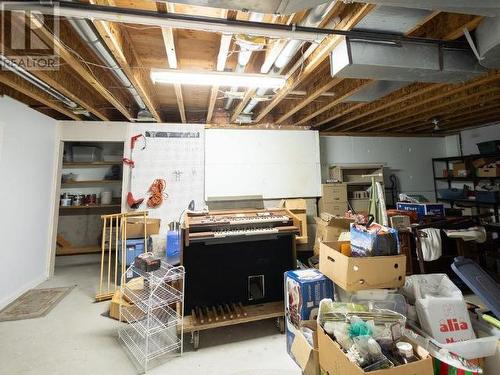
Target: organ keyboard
[217,225]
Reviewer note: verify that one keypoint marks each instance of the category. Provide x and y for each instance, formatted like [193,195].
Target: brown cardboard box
[333,361]
[135,227]
[481,162]
[359,273]
[489,170]
[305,355]
[460,170]
[299,208]
[327,231]
[334,193]
[114,306]
[337,209]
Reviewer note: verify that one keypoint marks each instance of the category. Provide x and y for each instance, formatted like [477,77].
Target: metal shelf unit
[470,179]
[155,318]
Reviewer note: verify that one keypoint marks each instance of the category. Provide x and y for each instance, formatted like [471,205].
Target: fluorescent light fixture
[216,78]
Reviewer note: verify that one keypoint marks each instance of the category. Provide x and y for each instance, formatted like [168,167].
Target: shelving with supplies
[446,178]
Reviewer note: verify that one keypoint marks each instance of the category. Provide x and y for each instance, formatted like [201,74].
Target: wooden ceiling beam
[333,12]
[446,26]
[355,13]
[118,42]
[409,107]
[347,88]
[17,83]
[467,113]
[116,99]
[169,41]
[478,121]
[367,109]
[429,112]
[60,79]
[225,42]
[278,45]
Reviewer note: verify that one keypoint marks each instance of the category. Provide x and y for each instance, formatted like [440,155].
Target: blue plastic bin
[135,247]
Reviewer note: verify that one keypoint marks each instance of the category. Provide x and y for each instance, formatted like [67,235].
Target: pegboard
[175,153]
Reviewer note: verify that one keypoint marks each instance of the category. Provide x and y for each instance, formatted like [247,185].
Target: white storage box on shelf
[86,154]
[155,318]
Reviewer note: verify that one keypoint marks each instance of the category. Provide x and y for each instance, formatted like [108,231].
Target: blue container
[487,196]
[304,289]
[173,250]
[452,193]
[135,247]
[422,209]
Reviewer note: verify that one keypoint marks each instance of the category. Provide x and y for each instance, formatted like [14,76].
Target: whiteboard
[269,163]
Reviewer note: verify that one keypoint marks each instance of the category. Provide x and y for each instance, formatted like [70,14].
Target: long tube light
[216,78]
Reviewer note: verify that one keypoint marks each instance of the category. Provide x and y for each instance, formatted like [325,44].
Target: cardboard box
[489,170]
[305,355]
[304,289]
[441,309]
[460,170]
[299,208]
[337,209]
[327,231]
[422,209]
[481,162]
[360,205]
[135,227]
[333,360]
[114,306]
[334,193]
[358,273]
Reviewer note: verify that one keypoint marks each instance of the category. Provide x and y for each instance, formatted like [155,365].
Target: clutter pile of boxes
[359,312]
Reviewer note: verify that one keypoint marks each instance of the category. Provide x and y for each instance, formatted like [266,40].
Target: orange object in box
[345,248]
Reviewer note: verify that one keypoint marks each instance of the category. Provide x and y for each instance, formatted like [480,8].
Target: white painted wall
[409,158]
[470,137]
[27,170]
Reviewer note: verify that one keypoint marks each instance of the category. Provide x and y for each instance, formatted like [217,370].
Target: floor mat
[35,303]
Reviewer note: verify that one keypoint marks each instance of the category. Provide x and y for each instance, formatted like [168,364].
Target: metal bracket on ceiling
[472,44]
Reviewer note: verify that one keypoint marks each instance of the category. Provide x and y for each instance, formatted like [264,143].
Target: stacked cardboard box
[333,199]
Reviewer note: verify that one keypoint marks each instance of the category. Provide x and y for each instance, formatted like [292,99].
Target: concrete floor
[75,339]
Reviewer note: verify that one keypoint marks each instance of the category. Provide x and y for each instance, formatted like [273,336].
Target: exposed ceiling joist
[367,109]
[118,42]
[25,88]
[169,41]
[78,66]
[320,55]
[453,29]
[225,42]
[409,121]
[348,88]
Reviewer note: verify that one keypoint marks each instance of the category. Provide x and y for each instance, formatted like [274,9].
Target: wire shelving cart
[155,317]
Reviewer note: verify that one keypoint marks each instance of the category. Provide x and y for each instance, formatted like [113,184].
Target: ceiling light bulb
[210,78]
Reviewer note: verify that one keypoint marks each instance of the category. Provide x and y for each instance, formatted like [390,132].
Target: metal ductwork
[376,90]
[403,61]
[7,64]
[313,19]
[89,35]
[488,42]
[476,7]
[259,6]
[246,49]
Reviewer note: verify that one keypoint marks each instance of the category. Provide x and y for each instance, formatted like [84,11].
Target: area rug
[35,303]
